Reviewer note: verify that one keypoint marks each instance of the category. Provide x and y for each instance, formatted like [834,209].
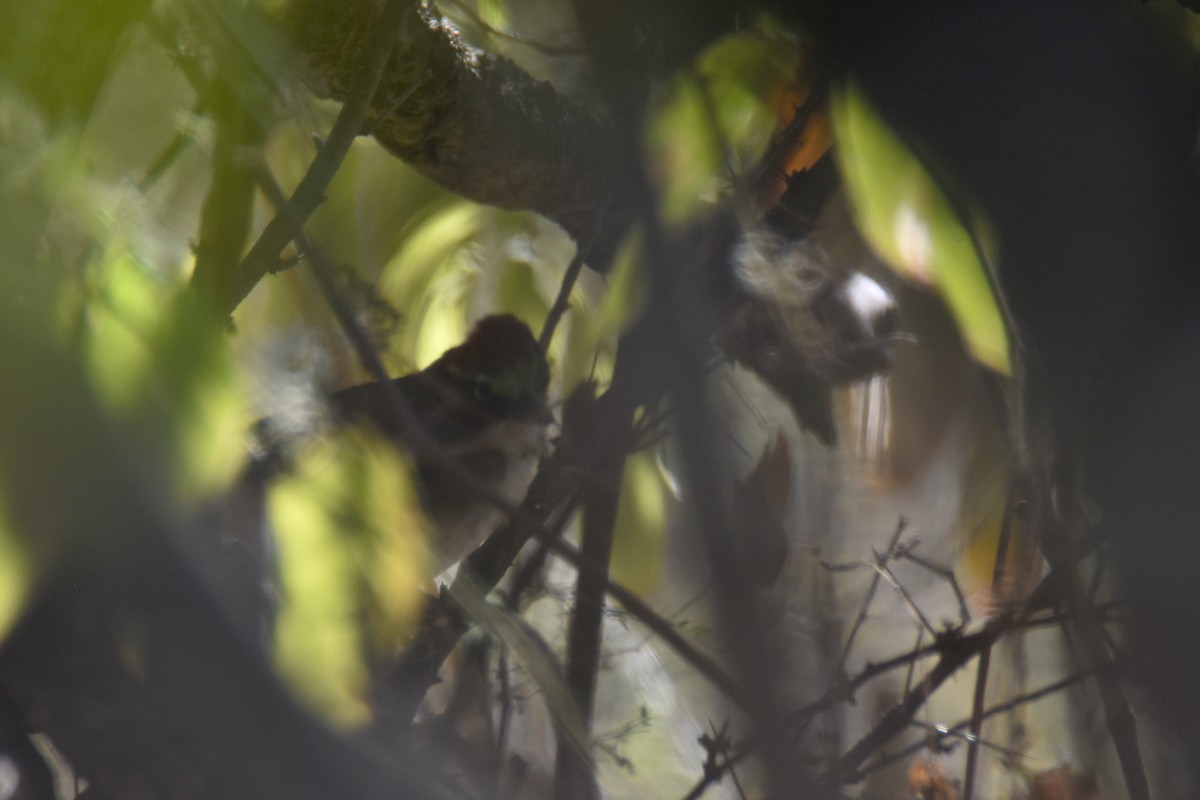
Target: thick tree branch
[473,122]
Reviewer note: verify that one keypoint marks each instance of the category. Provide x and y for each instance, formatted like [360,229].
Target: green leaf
[352,558]
[17,574]
[627,289]
[159,359]
[906,217]
[716,120]
[641,523]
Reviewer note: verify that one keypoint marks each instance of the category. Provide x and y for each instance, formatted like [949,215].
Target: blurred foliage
[122,167]
[714,122]
[126,131]
[351,539]
[18,573]
[158,359]
[908,219]
[637,559]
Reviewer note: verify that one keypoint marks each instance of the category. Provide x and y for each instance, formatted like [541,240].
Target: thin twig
[879,564]
[901,524]
[670,635]
[985,658]
[912,665]
[897,718]
[945,574]
[263,256]
[943,732]
[563,301]
[175,148]
[1002,708]
[1117,712]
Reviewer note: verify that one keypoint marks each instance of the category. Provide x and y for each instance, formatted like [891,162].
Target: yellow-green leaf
[352,559]
[909,221]
[17,573]
[158,358]
[641,523]
[716,120]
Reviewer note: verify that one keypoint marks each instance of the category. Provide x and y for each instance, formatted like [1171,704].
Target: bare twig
[671,636]
[958,651]
[879,564]
[945,574]
[866,603]
[1118,714]
[985,658]
[1002,708]
[563,301]
[173,150]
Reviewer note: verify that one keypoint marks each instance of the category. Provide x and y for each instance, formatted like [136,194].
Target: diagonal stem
[263,256]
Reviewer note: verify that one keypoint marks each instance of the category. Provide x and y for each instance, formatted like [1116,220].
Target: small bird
[483,403]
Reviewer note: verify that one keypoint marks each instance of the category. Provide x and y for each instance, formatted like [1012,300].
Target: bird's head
[500,366]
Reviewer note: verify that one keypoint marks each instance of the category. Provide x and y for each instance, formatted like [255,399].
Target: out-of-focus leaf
[493,12]
[318,641]
[589,347]
[352,557]
[910,222]
[533,653]
[719,118]
[394,555]
[195,373]
[58,52]
[158,358]
[641,523]
[685,154]
[17,574]
[1173,29]
[120,320]
[627,290]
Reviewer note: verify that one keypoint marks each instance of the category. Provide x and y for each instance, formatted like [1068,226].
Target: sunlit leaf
[161,360]
[17,570]
[641,523]
[198,382]
[627,289]
[909,221]
[120,322]
[394,556]
[318,642]
[716,120]
[685,153]
[493,12]
[352,557]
